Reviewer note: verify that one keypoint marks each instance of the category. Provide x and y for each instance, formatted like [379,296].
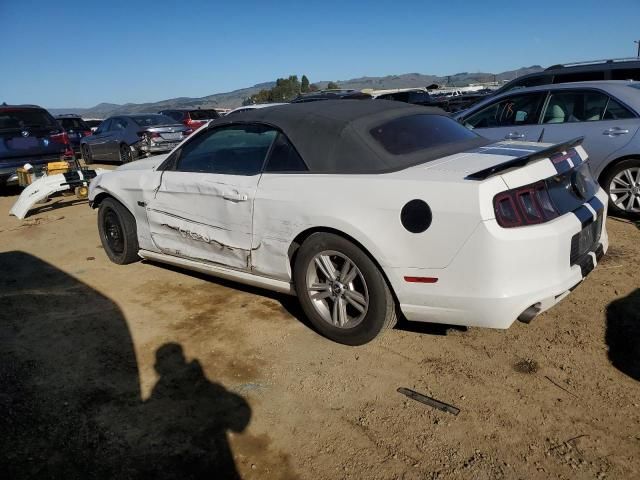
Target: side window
[515,110]
[232,150]
[118,124]
[175,115]
[625,74]
[579,76]
[575,106]
[615,111]
[284,158]
[104,127]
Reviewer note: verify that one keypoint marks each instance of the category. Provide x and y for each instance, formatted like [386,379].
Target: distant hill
[234,99]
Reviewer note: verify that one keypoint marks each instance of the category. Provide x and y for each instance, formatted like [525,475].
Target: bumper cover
[499,273]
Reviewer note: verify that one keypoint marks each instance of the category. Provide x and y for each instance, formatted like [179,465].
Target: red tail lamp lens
[526,205]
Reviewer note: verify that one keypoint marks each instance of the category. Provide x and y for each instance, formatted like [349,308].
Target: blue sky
[77,54]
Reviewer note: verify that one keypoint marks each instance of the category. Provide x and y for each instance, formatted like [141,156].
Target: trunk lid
[169,133]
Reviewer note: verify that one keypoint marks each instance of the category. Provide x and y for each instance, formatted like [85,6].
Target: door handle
[514,136]
[615,131]
[235,196]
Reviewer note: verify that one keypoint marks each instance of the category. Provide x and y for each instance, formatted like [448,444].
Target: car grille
[586,240]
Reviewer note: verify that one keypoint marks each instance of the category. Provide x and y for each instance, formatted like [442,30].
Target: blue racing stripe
[596,204]
[584,215]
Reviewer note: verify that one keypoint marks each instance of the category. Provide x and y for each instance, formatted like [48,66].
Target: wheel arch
[303,235]
[612,164]
[101,196]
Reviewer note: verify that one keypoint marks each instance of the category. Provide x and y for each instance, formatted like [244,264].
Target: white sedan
[364,209]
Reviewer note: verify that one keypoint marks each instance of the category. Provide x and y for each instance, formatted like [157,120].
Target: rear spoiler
[524,160]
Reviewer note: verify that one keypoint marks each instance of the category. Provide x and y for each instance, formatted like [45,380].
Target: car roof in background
[618,88]
[344,125]
[26,105]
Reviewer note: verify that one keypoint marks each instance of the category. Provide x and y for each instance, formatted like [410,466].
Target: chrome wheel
[624,190]
[337,289]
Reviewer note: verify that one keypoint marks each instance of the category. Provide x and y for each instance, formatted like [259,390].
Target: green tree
[304,84]
[284,90]
[332,86]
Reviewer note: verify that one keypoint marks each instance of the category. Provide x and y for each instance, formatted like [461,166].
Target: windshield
[412,133]
[203,114]
[15,118]
[152,120]
[73,124]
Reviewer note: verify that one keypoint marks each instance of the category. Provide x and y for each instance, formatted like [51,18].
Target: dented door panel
[204,216]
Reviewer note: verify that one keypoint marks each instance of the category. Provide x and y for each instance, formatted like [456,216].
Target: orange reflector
[421,279]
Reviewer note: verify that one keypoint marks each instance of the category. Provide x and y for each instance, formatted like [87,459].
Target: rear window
[151,120]
[413,133]
[203,114]
[74,124]
[14,118]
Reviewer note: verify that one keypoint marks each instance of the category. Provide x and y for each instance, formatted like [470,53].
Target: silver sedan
[605,113]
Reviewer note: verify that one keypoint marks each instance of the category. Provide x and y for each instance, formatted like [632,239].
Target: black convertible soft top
[334,136]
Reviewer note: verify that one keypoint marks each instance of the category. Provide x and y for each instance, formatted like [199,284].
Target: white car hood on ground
[144,163]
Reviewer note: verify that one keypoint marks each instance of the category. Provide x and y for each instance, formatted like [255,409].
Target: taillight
[527,205]
[61,138]
[86,133]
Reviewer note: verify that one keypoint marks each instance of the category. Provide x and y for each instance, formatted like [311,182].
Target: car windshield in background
[23,118]
[152,120]
[410,134]
[203,114]
[73,124]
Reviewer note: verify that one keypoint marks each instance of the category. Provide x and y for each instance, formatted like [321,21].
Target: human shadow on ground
[623,334]
[70,399]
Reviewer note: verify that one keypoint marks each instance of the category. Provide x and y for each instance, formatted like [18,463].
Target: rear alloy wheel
[117,228]
[342,291]
[86,155]
[126,155]
[623,186]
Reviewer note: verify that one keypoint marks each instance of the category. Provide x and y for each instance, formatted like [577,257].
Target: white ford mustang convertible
[361,208]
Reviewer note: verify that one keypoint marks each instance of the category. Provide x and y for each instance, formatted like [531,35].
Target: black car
[29,134]
[192,119]
[616,69]
[331,95]
[75,127]
[126,137]
[415,97]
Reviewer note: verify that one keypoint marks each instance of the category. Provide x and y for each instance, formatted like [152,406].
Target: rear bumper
[158,147]
[499,273]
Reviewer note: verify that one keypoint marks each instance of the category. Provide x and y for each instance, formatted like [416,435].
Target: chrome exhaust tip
[530,313]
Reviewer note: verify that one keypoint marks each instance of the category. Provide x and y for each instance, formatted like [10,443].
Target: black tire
[126,155]
[86,155]
[118,234]
[380,314]
[607,179]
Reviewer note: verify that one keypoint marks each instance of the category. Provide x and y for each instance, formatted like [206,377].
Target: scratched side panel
[190,217]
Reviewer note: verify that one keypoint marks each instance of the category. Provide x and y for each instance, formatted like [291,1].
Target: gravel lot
[145,371]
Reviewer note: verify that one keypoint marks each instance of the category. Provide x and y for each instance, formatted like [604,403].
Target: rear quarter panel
[366,208]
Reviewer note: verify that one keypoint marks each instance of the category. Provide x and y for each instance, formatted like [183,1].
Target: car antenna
[541,135]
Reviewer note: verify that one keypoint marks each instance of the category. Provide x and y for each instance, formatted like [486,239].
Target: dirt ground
[145,371]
